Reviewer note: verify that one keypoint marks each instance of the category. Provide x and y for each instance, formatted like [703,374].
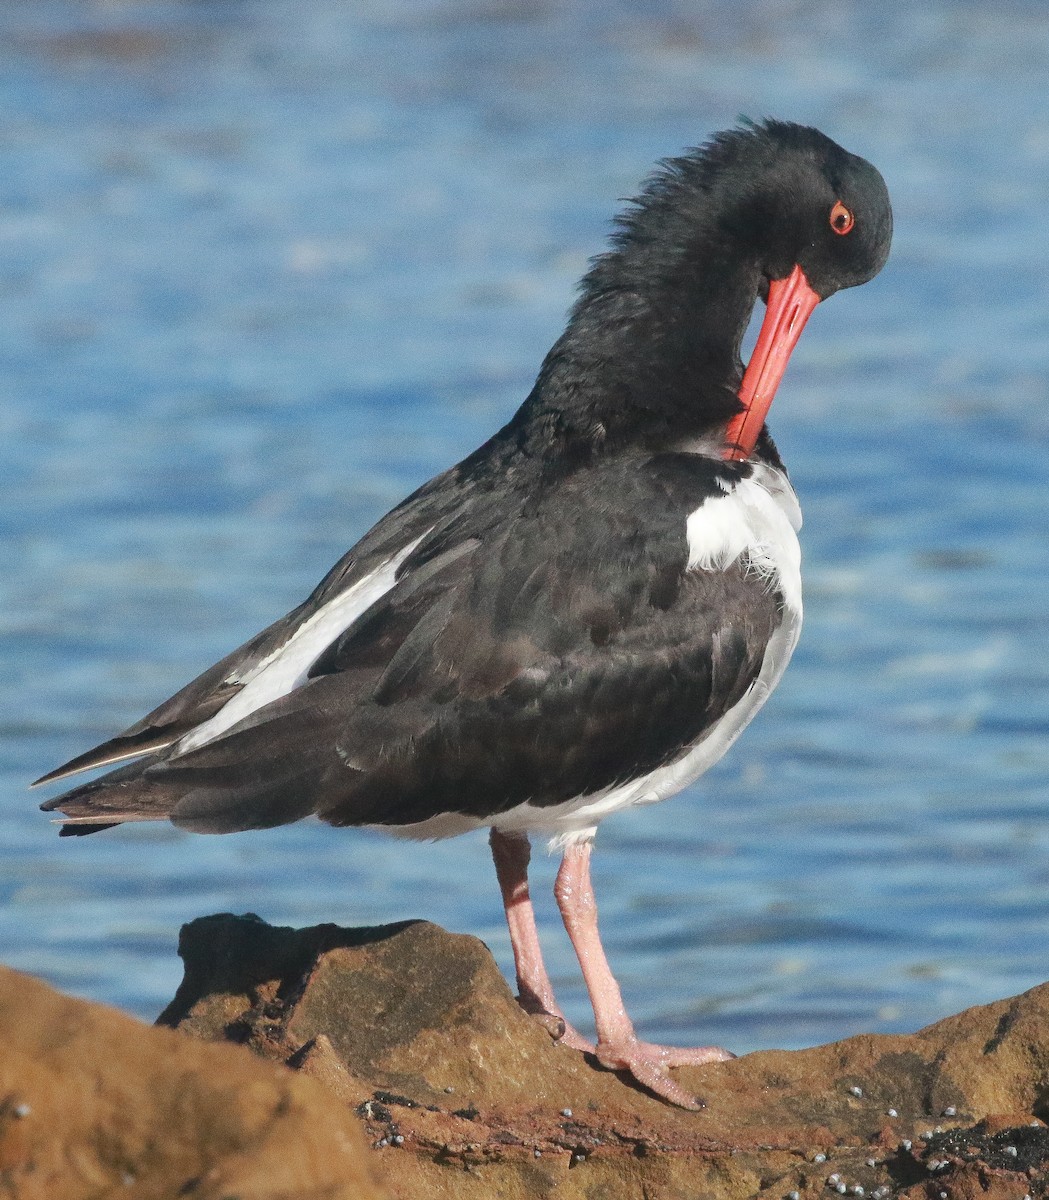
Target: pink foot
[648,1063]
[686,1056]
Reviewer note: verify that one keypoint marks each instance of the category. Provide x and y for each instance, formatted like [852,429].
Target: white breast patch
[756,522]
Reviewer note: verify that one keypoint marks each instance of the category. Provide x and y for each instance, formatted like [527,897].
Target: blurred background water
[266,267]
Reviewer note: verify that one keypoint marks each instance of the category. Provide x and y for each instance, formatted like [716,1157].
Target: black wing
[559,649]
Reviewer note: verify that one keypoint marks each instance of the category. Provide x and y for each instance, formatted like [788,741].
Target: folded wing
[567,649]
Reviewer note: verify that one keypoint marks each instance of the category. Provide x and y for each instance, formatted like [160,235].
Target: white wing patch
[287,667]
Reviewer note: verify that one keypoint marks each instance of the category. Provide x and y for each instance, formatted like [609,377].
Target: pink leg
[511,853]
[618,1047]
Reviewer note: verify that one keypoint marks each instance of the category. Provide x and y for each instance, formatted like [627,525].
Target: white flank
[287,667]
[757,523]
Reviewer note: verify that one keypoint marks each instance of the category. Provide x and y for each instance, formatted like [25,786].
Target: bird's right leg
[511,853]
[618,1046]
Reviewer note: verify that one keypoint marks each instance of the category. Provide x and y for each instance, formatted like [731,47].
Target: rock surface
[464,1096]
[96,1104]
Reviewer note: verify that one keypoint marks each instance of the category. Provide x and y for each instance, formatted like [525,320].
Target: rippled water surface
[264,268]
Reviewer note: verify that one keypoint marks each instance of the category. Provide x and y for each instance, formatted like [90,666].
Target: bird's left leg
[511,854]
[618,1046]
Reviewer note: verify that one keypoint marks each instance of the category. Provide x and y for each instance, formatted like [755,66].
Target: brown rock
[96,1104]
[407,1008]
[465,1096]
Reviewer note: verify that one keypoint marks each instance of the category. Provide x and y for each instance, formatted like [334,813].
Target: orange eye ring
[841,218]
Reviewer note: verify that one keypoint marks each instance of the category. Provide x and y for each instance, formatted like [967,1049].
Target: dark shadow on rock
[242,958]
[378,995]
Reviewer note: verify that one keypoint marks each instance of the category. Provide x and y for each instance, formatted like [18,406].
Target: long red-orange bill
[790,305]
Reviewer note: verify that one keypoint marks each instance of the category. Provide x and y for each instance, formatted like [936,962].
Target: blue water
[266,267]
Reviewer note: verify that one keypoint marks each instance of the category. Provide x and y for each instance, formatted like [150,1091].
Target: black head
[652,347]
[798,199]
[760,199]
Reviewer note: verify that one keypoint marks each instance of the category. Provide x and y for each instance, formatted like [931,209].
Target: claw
[558,1027]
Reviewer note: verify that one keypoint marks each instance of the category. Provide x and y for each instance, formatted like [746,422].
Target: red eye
[841,218]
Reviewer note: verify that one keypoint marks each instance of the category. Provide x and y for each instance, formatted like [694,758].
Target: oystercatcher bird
[581,616]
